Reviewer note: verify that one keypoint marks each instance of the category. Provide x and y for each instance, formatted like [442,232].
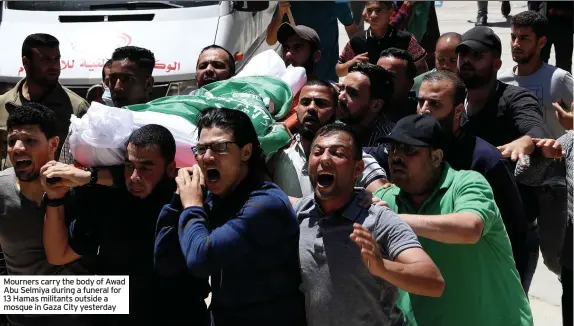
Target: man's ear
[496,63]
[171,170]
[359,167]
[149,84]
[377,104]
[458,110]
[246,152]
[25,62]
[437,156]
[317,56]
[53,144]
[542,42]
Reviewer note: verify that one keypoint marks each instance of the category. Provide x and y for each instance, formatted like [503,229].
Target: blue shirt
[248,243]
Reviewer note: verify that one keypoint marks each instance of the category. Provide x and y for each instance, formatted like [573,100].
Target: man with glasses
[234,227]
[41,62]
[115,224]
[459,225]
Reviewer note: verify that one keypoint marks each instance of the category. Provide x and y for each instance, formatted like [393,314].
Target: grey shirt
[338,287]
[549,84]
[21,229]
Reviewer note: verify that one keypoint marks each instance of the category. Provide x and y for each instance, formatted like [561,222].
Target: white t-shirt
[550,84]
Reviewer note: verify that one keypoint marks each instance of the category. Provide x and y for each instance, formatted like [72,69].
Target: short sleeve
[566,93]
[416,50]
[347,54]
[393,234]
[473,194]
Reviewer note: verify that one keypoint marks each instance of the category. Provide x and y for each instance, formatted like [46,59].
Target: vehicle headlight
[181,88]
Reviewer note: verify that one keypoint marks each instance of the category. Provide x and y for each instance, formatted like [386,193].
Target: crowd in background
[416,191]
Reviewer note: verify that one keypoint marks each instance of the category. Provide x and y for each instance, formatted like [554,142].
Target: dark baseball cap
[417,130]
[481,39]
[287,30]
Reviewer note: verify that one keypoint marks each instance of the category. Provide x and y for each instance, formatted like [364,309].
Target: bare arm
[412,270]
[277,20]
[461,228]
[342,69]
[58,250]
[377,184]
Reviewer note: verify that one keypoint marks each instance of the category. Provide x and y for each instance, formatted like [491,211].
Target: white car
[175,31]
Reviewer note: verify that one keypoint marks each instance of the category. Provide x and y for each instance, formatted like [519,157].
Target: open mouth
[22,163]
[213,175]
[325,179]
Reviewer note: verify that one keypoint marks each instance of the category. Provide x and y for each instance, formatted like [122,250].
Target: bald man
[445,57]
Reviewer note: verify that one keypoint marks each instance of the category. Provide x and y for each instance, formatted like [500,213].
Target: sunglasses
[409,150]
[218,148]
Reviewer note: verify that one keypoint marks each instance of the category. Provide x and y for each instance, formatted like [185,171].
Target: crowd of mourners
[416,191]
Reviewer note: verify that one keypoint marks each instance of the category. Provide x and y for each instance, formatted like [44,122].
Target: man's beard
[357,118]
[37,78]
[477,81]
[525,59]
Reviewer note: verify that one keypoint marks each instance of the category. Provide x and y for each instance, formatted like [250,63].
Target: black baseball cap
[306,33]
[417,130]
[481,39]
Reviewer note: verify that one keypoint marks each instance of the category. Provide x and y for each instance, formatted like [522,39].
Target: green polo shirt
[482,286]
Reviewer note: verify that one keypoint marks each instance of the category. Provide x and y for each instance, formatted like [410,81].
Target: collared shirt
[483,285]
[288,169]
[338,287]
[61,100]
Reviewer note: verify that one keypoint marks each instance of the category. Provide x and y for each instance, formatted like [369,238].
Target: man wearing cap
[301,47]
[505,116]
[442,95]
[457,222]
[320,16]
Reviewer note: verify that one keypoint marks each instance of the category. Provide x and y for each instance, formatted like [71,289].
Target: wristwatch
[46,201]
[93,175]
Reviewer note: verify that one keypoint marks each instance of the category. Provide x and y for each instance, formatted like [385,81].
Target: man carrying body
[41,61]
[32,142]
[363,95]
[348,284]
[401,64]
[121,233]
[301,47]
[214,64]
[445,56]
[442,95]
[317,106]
[130,82]
[553,88]
[459,225]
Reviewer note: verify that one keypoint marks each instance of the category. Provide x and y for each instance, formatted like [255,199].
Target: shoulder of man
[7,99]
[303,206]
[485,155]
[389,195]
[79,104]
[6,175]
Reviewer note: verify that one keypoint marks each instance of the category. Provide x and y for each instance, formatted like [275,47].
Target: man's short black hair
[403,55]
[39,40]
[153,134]
[239,124]
[532,19]
[382,85]
[338,127]
[230,57]
[143,58]
[33,114]
[459,89]
[107,65]
[332,90]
